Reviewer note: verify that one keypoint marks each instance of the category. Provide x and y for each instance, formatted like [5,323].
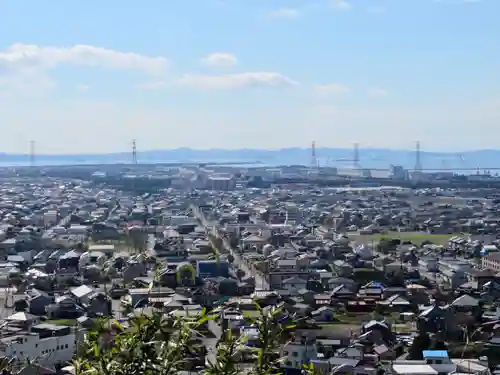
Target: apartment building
[49,344]
[223,183]
[492,262]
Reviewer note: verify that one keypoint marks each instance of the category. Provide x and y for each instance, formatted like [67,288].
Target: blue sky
[90,76]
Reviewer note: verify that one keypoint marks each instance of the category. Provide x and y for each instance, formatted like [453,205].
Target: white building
[107,249]
[437,362]
[221,183]
[179,219]
[50,218]
[78,229]
[48,344]
[298,353]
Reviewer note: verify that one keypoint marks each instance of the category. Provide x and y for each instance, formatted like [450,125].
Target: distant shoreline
[368,158]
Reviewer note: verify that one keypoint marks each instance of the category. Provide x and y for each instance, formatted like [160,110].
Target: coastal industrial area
[395,275]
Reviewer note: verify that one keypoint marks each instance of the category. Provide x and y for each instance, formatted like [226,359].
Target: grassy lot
[414,237]
[339,328]
[404,328]
[355,319]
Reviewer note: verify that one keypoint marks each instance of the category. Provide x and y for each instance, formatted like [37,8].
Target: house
[465,310]
[438,362]
[286,264]
[133,269]
[99,305]
[434,319]
[140,296]
[38,302]
[465,302]
[324,314]
[107,249]
[480,277]
[253,240]
[276,278]
[21,319]
[341,366]
[343,292]
[294,284]
[395,303]
[82,293]
[355,351]
[382,327]
[297,353]
[64,307]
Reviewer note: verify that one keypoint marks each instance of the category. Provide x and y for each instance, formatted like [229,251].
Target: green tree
[420,343]
[439,345]
[162,345]
[384,246]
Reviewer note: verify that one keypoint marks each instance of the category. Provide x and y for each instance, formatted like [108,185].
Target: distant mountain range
[339,157]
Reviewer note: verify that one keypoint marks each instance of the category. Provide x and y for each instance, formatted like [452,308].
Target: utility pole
[32,153]
[418,160]
[134,152]
[314,159]
[355,157]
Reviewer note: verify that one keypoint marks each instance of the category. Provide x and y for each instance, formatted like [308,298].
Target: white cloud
[220,60]
[341,4]
[236,81]
[30,56]
[24,67]
[377,91]
[29,82]
[286,13]
[335,88]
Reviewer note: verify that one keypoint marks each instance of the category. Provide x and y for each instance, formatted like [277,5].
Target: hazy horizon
[369,158]
[235,150]
[308,149]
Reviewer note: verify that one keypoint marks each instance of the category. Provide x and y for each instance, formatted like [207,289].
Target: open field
[414,237]
[340,328]
[355,319]
[404,328]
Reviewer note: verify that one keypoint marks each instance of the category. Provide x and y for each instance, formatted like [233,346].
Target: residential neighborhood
[376,281]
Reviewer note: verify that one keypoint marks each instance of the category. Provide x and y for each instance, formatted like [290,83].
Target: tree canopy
[165,345]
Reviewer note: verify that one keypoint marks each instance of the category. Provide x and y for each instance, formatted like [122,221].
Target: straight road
[260,280]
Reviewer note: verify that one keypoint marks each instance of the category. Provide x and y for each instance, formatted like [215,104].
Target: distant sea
[369,158]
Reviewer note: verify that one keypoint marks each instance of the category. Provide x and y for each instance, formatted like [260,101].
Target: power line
[134,152]
[418,160]
[314,159]
[355,156]
[32,153]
